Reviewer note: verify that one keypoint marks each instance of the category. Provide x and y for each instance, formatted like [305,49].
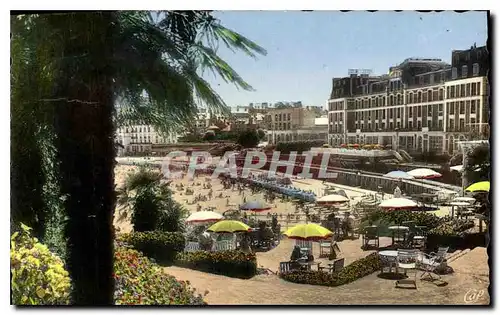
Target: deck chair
[407,260]
[370,234]
[192,247]
[431,262]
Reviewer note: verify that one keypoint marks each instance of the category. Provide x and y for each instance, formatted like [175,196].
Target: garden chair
[192,247]
[223,245]
[325,248]
[420,237]
[370,234]
[287,266]
[407,260]
[335,267]
[304,245]
[431,262]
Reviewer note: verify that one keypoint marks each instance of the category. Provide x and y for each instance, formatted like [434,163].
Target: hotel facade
[422,105]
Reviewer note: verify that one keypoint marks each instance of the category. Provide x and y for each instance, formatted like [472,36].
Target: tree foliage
[149,203]
[248,139]
[68,72]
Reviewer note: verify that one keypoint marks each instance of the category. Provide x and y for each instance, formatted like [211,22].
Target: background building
[141,139]
[422,105]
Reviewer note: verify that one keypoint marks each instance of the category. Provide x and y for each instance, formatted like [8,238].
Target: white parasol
[424,173]
[332,199]
[398,203]
[204,217]
[464,199]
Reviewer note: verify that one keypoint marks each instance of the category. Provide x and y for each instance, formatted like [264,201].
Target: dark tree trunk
[86,152]
[26,178]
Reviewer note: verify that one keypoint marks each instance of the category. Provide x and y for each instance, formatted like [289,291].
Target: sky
[305,50]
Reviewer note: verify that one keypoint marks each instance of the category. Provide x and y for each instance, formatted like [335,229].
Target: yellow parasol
[229,226]
[309,231]
[479,186]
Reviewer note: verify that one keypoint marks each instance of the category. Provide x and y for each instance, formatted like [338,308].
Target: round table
[388,253]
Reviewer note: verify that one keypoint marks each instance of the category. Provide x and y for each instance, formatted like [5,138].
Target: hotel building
[422,105]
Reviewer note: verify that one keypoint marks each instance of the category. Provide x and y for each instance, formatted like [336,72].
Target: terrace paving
[270,289]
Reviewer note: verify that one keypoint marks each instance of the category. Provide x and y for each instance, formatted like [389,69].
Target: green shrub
[358,269]
[384,218]
[161,246]
[141,282]
[38,276]
[235,264]
[452,228]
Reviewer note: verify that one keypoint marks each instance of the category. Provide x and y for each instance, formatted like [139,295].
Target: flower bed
[38,276]
[141,282]
[234,264]
[358,269]
[161,246]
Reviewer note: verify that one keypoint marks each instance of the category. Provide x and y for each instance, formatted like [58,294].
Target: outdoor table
[396,232]
[307,264]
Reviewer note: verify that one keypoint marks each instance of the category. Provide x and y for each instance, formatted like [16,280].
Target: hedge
[139,281]
[161,246]
[236,264]
[358,269]
[456,242]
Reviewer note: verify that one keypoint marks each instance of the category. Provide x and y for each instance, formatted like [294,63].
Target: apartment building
[292,124]
[422,105]
[140,139]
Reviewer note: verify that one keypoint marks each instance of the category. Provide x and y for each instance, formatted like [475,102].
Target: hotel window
[391,99]
[410,124]
[390,125]
[289,126]
[290,116]
[473,88]
[467,89]
[453,73]
[419,125]
[473,123]
[376,101]
[448,92]
[462,124]
[275,117]
[452,108]
[419,97]
[473,106]
[410,112]
[376,114]
[440,109]
[429,96]
[440,124]
[441,94]
[462,107]
[475,69]
[383,125]
[390,113]
[419,111]
[452,124]
[435,95]
[140,129]
[462,90]
[478,88]
[399,112]
[149,139]
[424,97]
[464,71]
[429,110]
[148,129]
